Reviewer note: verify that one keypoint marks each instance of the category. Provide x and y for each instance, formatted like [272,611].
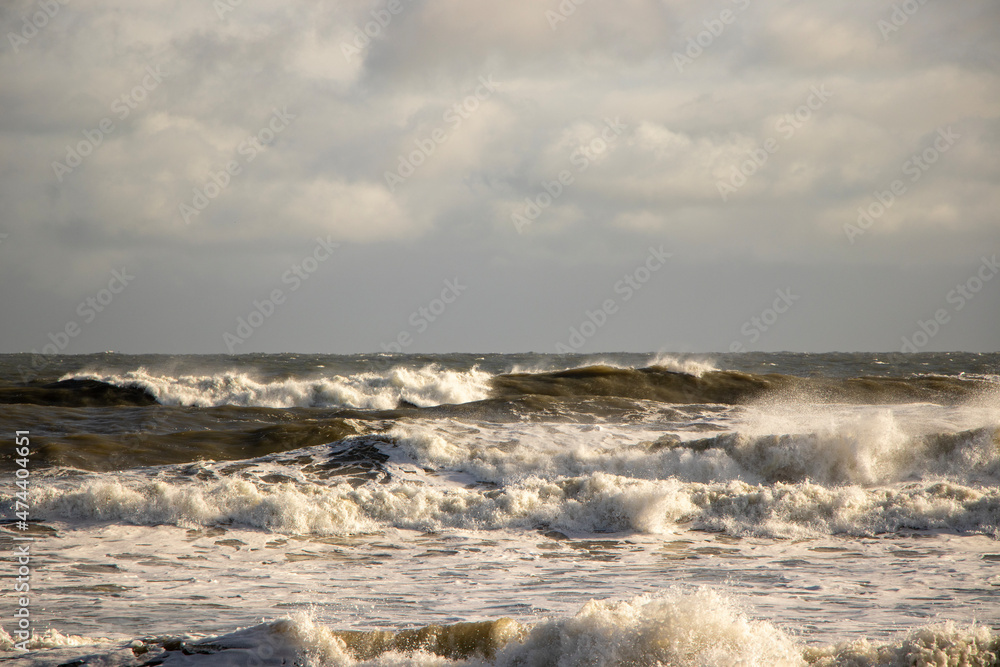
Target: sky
[236,176]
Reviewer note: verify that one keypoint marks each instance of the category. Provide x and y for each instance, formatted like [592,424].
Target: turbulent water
[530,510]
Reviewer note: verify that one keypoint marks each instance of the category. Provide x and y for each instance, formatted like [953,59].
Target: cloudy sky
[456,175]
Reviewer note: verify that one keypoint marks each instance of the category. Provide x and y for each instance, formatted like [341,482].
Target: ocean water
[530,510]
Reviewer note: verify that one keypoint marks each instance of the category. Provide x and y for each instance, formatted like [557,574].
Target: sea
[500,509]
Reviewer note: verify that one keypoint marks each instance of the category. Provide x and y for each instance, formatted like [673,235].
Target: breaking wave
[670,362]
[667,380]
[734,387]
[682,628]
[866,450]
[598,502]
[422,387]
[77,393]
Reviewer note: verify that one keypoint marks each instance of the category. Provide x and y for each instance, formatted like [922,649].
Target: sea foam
[599,502]
[423,387]
[678,627]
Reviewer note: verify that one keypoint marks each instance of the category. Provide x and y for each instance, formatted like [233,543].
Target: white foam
[931,646]
[865,471]
[511,452]
[50,638]
[696,628]
[868,445]
[684,628]
[676,628]
[862,447]
[424,387]
[284,508]
[681,627]
[597,502]
[696,367]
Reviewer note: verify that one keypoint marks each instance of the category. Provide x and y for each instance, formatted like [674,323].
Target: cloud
[366,92]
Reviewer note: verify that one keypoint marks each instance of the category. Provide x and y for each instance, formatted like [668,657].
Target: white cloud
[355,116]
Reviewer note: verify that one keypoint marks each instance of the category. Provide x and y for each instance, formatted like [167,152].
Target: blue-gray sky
[636,175]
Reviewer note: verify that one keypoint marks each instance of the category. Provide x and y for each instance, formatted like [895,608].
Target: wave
[77,392]
[502,442]
[695,628]
[142,446]
[678,627]
[667,380]
[858,458]
[734,387]
[421,387]
[865,449]
[670,362]
[930,646]
[598,502]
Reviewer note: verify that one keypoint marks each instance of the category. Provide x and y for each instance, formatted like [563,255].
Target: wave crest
[931,646]
[670,362]
[593,503]
[422,387]
[678,627]
[735,387]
